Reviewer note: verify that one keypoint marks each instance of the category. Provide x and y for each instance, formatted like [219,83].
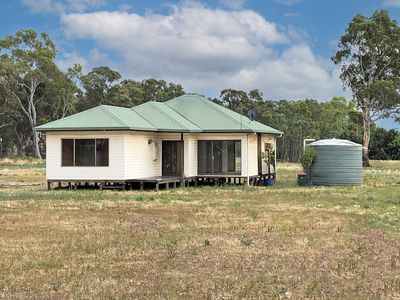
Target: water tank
[336,162]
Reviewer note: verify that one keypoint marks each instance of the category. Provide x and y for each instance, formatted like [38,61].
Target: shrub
[246,241]
[307,159]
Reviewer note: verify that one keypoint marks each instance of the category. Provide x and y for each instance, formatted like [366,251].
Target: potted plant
[306,161]
[269,159]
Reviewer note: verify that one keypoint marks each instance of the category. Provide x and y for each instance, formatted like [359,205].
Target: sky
[281,47]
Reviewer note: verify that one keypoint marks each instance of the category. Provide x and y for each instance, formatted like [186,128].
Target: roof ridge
[114,116]
[133,109]
[190,121]
[224,113]
[169,117]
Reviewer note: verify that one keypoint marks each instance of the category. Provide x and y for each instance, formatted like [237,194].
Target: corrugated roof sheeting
[187,113]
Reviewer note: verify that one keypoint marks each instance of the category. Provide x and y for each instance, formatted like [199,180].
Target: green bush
[307,159]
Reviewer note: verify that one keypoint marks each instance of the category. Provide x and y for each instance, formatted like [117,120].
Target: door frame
[178,161]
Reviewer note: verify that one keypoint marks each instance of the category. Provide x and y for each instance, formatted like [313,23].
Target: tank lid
[334,142]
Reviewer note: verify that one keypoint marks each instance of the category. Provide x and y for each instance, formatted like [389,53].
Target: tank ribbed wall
[337,165]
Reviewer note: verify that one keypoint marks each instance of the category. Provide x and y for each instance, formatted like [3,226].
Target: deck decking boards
[158,181]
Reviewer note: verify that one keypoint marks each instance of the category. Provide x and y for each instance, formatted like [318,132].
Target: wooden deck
[156,182]
[167,181]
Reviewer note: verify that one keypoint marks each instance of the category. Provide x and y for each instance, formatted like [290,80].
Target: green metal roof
[212,117]
[165,118]
[187,113]
[103,117]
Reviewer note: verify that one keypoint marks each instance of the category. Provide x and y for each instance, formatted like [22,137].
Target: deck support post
[157,186]
[182,160]
[48,185]
[141,185]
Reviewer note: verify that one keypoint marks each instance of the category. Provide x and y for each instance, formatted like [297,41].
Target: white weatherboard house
[182,140]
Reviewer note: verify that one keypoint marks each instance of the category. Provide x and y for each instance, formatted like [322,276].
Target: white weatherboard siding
[115,170]
[253,158]
[141,158]
[190,155]
[131,156]
[144,159]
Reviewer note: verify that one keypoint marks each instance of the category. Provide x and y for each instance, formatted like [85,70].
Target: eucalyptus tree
[26,59]
[159,90]
[96,86]
[369,56]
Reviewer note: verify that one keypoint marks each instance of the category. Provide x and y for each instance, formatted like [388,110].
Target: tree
[101,86]
[369,55]
[159,90]
[385,144]
[235,100]
[60,97]
[25,62]
[97,85]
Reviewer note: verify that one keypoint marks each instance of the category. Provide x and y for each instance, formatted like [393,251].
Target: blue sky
[282,47]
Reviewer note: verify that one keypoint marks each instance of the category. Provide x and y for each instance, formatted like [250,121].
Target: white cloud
[95,57]
[234,4]
[62,6]
[395,3]
[208,50]
[68,59]
[295,74]
[288,2]
[192,37]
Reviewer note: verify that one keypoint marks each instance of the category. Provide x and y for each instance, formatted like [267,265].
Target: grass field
[228,242]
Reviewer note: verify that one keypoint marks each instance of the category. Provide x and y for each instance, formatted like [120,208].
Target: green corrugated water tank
[336,162]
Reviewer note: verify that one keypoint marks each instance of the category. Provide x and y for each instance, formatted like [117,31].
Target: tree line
[34,91]
[309,118]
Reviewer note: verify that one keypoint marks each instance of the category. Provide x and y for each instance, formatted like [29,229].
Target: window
[102,152]
[219,157]
[204,157]
[84,152]
[67,153]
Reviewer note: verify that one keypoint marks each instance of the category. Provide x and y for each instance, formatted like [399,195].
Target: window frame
[95,153]
[212,157]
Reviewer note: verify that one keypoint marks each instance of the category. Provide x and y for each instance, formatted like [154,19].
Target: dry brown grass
[280,242]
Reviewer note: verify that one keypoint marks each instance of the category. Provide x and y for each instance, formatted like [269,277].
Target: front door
[171,158]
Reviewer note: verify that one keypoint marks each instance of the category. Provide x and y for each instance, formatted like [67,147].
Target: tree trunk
[36,144]
[366,134]
[30,112]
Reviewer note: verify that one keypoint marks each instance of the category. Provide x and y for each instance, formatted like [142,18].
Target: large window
[219,157]
[84,152]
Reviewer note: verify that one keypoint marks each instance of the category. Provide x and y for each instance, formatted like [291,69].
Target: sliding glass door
[219,157]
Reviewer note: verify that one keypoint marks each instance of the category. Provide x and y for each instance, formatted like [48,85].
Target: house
[180,141]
